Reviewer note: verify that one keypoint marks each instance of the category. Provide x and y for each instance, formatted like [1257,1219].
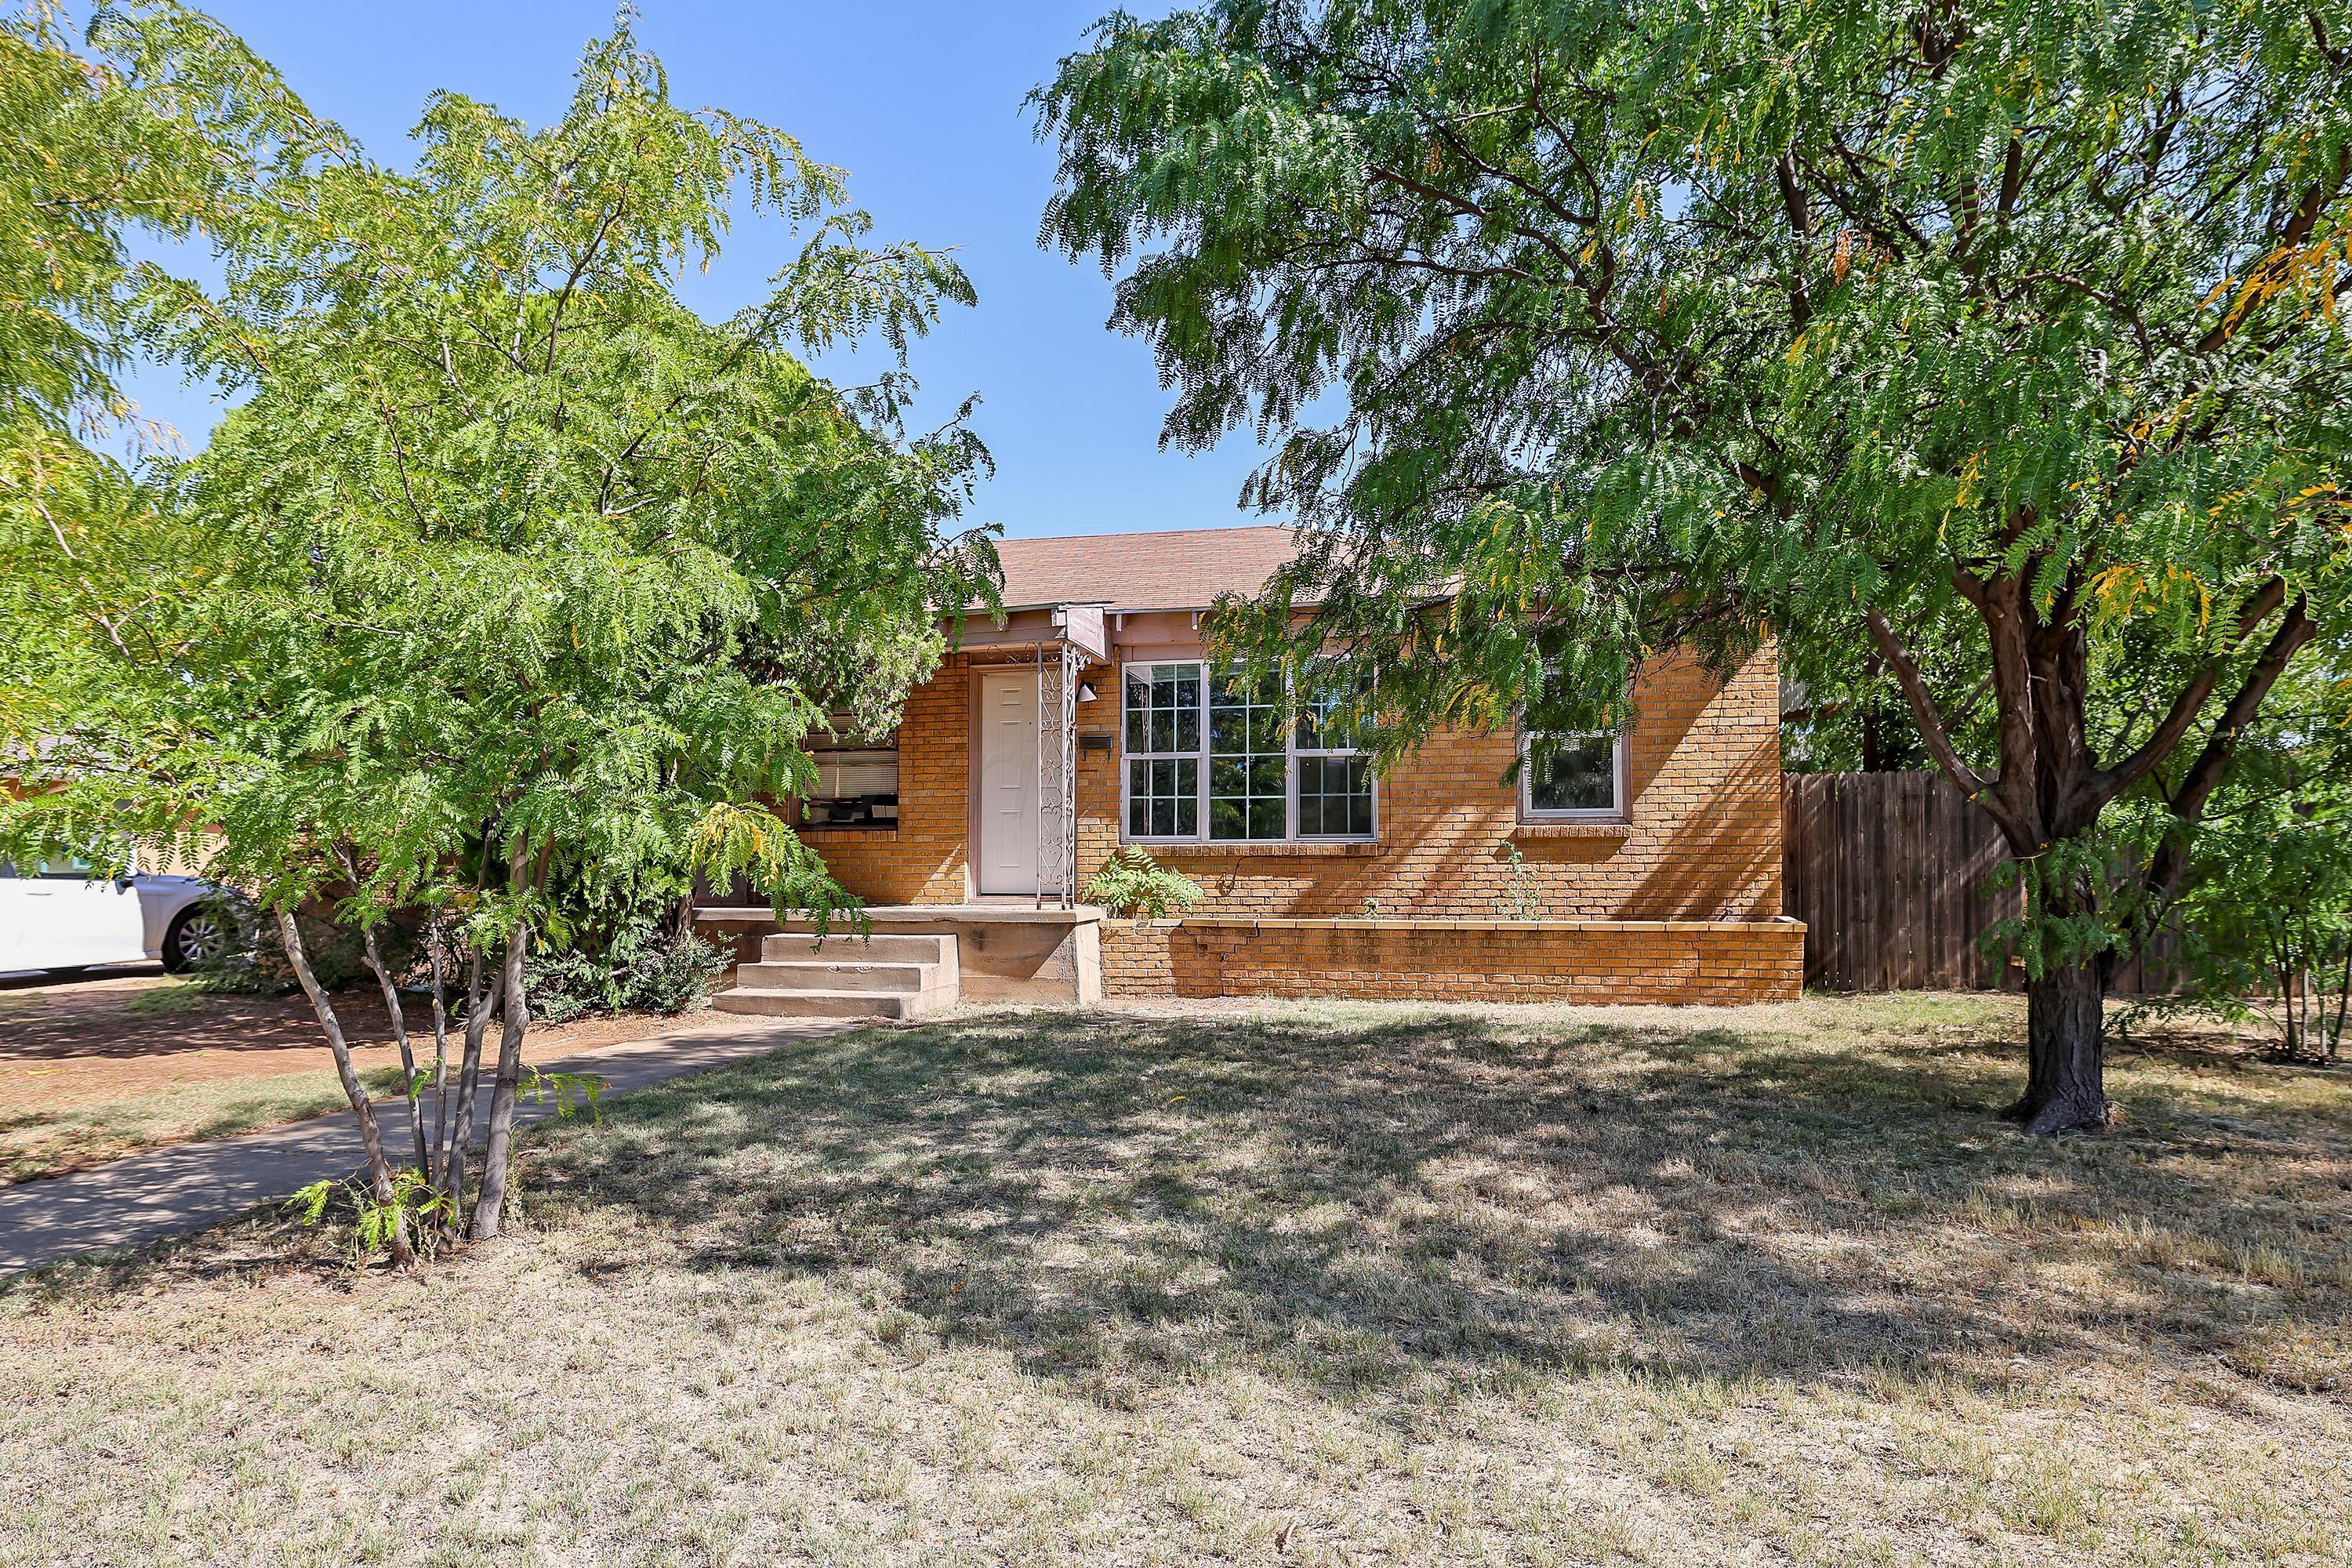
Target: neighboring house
[1091,717]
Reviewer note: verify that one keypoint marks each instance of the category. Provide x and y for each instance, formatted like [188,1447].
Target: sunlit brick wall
[1703,841]
[1456,961]
[922,861]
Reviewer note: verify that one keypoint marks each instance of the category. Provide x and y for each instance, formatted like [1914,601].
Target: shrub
[1133,884]
[2272,919]
[640,966]
[252,962]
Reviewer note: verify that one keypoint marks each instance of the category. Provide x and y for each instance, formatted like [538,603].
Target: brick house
[1644,866]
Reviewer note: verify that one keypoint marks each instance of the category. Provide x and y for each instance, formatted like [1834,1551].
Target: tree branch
[2205,774]
[1800,224]
[2108,783]
[2297,231]
[1923,713]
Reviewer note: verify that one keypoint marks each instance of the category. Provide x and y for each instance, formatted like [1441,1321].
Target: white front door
[1008,782]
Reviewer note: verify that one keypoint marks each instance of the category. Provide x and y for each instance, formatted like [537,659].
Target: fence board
[1892,876]
[1895,876]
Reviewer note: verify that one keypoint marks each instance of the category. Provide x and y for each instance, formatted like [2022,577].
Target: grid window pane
[1248,763]
[1163,798]
[1573,772]
[1277,763]
[1329,711]
[1163,707]
[1335,798]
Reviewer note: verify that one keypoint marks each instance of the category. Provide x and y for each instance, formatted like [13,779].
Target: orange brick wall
[1702,842]
[923,862]
[1458,960]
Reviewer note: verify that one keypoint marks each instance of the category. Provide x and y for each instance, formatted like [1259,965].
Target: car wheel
[194,936]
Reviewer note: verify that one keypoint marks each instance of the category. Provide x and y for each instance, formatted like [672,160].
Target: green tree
[514,569]
[158,124]
[2009,330]
[2265,907]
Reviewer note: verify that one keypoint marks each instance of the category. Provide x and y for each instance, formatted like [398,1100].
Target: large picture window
[1214,756]
[1570,776]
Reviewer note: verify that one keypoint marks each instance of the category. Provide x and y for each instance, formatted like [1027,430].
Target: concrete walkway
[190,1185]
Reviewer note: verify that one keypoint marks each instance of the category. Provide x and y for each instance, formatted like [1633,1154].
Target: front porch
[922,957]
[927,957]
[975,799]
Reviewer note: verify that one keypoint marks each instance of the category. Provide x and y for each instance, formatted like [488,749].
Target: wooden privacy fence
[1894,875]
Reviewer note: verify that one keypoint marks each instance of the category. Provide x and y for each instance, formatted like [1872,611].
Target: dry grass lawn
[1328,1284]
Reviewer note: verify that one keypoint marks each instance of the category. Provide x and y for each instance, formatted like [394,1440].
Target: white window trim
[1291,752]
[1616,812]
[1198,756]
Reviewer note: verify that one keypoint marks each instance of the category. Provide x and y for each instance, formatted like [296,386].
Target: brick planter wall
[1715,961]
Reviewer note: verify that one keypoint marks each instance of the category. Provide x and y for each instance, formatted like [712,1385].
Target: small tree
[512,564]
[2265,909]
[2276,919]
[2013,331]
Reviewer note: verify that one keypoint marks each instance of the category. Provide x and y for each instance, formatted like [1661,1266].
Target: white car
[53,916]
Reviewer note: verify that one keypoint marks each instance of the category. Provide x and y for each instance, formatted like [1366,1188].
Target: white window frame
[1198,756]
[1291,752]
[1618,811]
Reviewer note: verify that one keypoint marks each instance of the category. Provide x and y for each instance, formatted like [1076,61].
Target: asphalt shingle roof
[1185,569]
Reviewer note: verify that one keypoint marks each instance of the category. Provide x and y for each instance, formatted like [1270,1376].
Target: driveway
[186,1188]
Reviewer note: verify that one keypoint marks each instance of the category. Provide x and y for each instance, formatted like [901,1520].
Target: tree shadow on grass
[1432,1203]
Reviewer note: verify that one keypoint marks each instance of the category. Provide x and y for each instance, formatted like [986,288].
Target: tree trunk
[1873,717]
[439,954]
[2342,1007]
[480,1002]
[2066,1051]
[371,1136]
[407,1056]
[516,1019]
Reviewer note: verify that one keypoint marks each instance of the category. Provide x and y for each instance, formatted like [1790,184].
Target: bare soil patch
[94,1069]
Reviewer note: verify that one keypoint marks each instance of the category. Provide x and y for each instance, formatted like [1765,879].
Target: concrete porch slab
[1007,952]
[900,917]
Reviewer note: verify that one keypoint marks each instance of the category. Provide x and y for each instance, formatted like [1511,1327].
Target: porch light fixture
[1085,691]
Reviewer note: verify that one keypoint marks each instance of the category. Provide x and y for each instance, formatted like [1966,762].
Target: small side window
[1571,775]
[857,784]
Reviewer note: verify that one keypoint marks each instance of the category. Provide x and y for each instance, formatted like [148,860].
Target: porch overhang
[1079,626]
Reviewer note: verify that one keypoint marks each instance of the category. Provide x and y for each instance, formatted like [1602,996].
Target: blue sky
[920,101]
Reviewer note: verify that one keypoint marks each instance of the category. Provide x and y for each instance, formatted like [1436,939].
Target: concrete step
[771,1003]
[798,947]
[817,974]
